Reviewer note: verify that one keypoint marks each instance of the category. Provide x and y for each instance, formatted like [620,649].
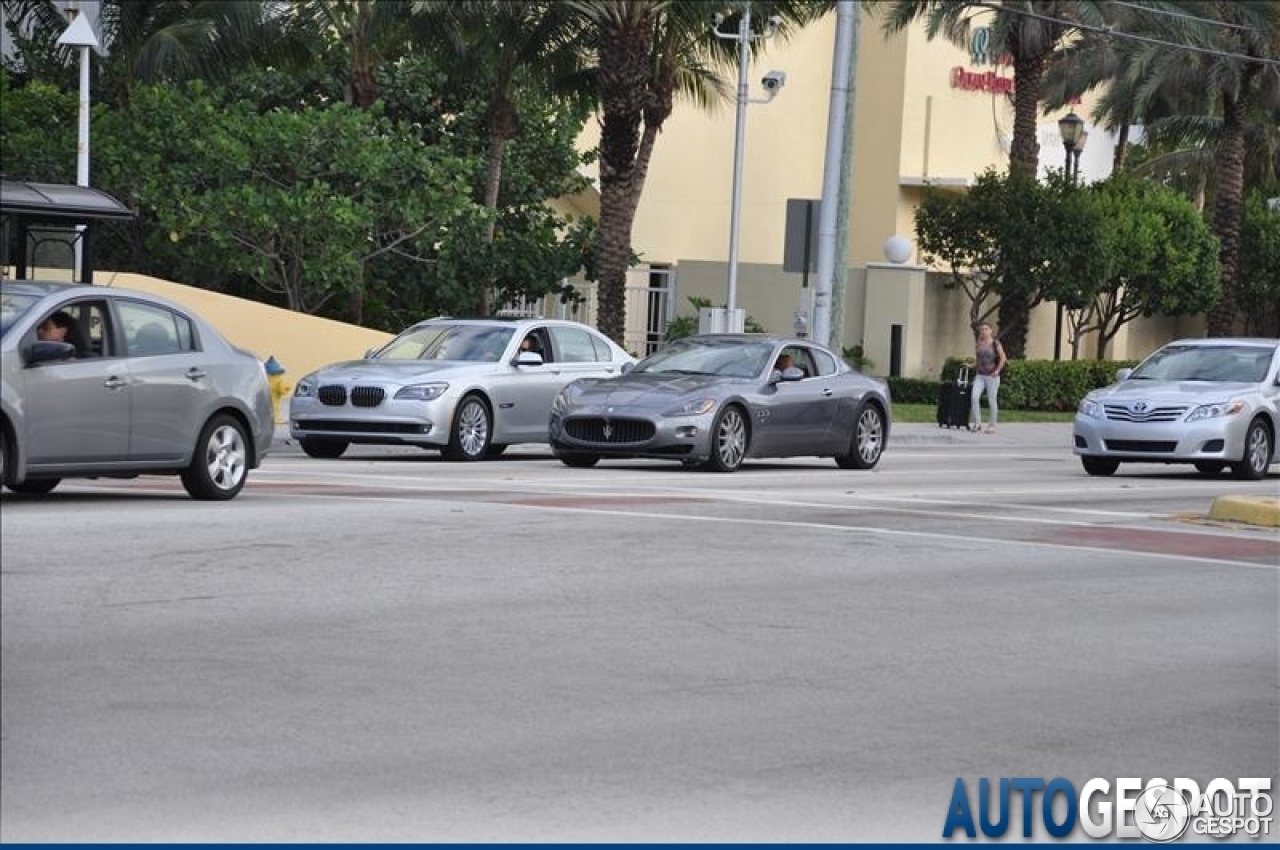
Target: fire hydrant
[280,388]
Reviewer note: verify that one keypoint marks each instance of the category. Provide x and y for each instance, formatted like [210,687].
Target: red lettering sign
[986,81]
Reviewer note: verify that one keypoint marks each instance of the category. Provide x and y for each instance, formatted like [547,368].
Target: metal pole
[82,155]
[841,76]
[735,205]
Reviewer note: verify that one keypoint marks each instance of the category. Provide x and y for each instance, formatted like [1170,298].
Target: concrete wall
[300,343]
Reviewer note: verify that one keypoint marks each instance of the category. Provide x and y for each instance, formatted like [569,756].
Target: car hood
[398,371]
[642,389]
[1170,391]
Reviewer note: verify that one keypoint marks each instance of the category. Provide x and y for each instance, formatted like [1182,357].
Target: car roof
[1227,340]
[758,337]
[503,322]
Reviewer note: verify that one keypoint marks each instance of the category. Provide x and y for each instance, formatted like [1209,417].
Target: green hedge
[1026,384]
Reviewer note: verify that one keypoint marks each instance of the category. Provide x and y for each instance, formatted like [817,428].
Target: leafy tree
[1259,278]
[506,51]
[1160,259]
[1009,236]
[297,201]
[1028,32]
[1203,78]
[37,131]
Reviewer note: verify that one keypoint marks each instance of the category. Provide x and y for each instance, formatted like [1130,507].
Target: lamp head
[1069,127]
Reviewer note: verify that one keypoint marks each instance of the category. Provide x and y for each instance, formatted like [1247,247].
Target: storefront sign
[980,53]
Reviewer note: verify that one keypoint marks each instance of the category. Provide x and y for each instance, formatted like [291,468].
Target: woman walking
[989,358]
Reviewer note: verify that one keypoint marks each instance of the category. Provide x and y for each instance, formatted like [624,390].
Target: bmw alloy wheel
[470,437]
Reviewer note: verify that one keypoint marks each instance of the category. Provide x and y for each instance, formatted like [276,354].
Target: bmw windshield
[441,341]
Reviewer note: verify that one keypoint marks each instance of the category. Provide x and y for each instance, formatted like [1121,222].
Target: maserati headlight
[1090,408]
[1216,409]
[306,388]
[422,392]
[696,407]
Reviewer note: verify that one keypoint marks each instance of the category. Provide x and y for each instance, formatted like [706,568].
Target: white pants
[991,385]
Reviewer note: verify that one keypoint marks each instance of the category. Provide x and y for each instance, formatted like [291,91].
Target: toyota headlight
[1090,408]
[422,392]
[1216,410]
[697,407]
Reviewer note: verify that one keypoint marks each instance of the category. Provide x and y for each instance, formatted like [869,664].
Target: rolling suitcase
[953,401]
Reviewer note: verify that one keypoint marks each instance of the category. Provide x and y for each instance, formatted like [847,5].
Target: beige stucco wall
[911,125]
[300,343]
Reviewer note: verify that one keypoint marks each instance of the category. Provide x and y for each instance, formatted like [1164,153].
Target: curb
[1253,510]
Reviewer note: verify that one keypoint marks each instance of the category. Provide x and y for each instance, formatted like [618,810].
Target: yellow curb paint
[1254,510]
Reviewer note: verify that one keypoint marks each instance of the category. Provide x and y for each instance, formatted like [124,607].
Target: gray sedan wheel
[472,428]
[36,486]
[1257,453]
[868,441]
[729,439]
[220,464]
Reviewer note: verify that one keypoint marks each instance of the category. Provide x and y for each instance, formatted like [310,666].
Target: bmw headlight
[306,388]
[422,392]
[1090,408]
[1215,410]
[697,407]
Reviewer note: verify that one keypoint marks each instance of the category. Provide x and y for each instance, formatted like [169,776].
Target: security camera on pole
[731,318]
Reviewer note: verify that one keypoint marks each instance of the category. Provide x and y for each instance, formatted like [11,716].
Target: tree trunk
[1024,156]
[624,68]
[1228,209]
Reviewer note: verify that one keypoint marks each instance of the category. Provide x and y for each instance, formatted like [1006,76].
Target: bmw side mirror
[627,367]
[1123,374]
[48,351]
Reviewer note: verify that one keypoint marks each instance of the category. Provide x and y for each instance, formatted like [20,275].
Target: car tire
[1210,468]
[578,460]
[495,450]
[730,438]
[220,464]
[324,449]
[4,455]
[470,432]
[1099,465]
[35,486]
[1257,453]
[867,442]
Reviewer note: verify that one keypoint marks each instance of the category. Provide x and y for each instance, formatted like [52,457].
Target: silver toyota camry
[468,387]
[1214,403]
[106,382]
[717,399]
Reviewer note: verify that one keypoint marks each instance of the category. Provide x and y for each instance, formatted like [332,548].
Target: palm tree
[514,46]
[1205,80]
[151,41]
[649,54]
[1028,31]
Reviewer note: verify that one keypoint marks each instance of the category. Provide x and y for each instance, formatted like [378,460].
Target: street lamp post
[773,81]
[1071,128]
[79,33]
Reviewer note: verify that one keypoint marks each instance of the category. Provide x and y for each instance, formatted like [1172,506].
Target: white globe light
[897,249]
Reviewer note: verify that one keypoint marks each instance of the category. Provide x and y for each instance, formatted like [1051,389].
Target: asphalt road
[389,647]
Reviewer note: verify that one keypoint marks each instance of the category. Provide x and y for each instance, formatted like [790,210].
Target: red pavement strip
[1163,542]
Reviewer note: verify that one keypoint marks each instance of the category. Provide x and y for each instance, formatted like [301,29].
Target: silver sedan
[469,387]
[108,382]
[715,400]
[1213,403]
